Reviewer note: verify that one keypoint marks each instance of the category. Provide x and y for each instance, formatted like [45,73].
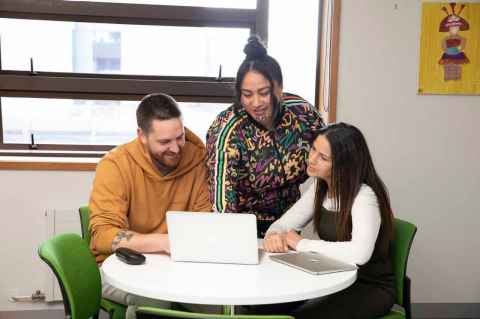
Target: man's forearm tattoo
[123,234]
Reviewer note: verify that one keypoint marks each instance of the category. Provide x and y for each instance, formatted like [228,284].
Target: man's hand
[292,239]
[275,243]
[144,243]
[164,243]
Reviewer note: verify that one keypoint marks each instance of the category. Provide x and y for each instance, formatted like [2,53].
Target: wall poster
[450,48]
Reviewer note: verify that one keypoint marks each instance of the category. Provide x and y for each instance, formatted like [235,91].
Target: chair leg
[113,314]
[407,303]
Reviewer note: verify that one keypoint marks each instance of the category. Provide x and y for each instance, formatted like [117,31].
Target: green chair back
[74,266]
[147,312]
[404,232]
[84,212]
[115,310]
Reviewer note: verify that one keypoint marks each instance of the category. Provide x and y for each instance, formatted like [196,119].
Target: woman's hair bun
[254,49]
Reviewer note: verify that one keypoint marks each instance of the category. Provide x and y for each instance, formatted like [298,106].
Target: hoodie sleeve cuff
[103,240]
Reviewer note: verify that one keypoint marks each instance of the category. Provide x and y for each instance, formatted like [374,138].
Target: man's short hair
[156,106]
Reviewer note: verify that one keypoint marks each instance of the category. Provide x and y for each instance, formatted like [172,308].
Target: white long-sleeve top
[366,221]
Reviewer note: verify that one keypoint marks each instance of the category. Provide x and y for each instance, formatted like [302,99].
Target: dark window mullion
[53,155]
[54,147]
[118,76]
[261,23]
[28,84]
[58,153]
[109,97]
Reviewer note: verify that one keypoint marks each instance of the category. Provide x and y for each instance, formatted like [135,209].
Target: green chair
[84,212]
[116,310]
[149,312]
[404,232]
[77,273]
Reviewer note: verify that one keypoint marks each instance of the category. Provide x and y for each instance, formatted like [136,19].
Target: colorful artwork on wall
[450,48]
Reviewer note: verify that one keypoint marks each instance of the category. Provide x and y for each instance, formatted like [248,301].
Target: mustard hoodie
[129,192]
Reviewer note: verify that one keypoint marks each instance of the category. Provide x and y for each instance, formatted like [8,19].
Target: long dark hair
[258,60]
[352,166]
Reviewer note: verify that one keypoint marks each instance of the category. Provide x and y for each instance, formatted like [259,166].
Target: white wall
[425,147]
[24,197]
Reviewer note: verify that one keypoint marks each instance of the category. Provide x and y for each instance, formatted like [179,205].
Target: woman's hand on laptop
[275,243]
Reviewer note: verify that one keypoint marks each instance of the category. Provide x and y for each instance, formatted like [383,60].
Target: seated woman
[351,213]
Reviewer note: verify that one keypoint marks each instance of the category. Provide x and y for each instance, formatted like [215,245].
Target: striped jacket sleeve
[310,118]
[223,165]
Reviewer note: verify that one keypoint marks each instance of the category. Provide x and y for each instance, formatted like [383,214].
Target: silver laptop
[213,237]
[312,263]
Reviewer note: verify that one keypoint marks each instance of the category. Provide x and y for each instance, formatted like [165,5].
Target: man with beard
[137,183]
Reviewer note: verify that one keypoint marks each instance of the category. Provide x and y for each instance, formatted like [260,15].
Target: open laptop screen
[213,237]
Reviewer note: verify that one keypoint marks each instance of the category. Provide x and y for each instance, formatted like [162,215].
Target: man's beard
[163,166]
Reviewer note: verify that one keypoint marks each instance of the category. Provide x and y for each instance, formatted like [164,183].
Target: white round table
[221,284]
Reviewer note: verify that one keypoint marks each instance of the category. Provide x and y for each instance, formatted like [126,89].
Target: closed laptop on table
[312,263]
[213,237]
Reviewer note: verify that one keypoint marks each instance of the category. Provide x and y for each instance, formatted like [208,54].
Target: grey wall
[425,147]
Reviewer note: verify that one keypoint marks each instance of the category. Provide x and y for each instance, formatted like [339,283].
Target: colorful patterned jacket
[255,170]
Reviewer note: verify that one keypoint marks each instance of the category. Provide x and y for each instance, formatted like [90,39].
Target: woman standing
[258,147]
[351,213]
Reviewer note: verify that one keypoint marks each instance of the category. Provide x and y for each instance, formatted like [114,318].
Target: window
[82,47]
[106,52]
[91,122]
[72,72]
[298,60]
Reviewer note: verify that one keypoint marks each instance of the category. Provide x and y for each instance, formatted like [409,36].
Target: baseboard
[445,310]
[40,314]
[30,314]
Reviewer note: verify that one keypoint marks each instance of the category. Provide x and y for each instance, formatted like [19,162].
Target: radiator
[58,221]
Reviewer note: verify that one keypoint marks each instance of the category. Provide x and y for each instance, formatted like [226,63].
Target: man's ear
[142,136]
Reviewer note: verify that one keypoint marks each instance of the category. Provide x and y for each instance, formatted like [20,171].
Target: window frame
[327,58]
[16,83]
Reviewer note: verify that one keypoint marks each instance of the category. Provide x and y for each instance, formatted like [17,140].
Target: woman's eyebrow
[325,155]
[264,88]
[260,89]
[321,153]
